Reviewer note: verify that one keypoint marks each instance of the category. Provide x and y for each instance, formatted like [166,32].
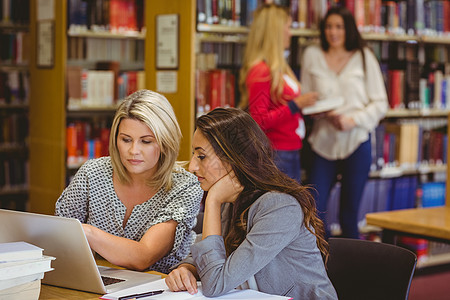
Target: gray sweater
[278,251]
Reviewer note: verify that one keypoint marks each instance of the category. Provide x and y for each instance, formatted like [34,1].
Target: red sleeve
[261,107]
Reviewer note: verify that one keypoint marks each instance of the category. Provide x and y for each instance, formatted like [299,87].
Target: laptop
[64,239]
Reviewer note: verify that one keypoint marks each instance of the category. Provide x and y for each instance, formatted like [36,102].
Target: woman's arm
[156,243]
[276,222]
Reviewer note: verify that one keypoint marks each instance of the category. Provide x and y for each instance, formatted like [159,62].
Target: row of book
[14,129]
[101,88]
[431,92]
[409,144]
[420,17]
[13,173]
[214,88]
[14,87]
[388,194]
[86,140]
[15,48]
[106,15]
[22,266]
[15,12]
[397,17]
[227,12]
[227,54]
[130,50]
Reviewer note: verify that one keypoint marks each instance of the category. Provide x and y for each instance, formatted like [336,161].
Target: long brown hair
[238,140]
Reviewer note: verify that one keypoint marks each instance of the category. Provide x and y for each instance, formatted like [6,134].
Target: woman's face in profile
[205,164]
[335,31]
[138,149]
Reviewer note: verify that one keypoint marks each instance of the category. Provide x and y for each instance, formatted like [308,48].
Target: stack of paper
[162,292]
[22,266]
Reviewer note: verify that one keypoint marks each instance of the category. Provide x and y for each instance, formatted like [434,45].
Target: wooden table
[57,293]
[429,223]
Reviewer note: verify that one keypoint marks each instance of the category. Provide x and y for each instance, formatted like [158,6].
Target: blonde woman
[137,206]
[270,89]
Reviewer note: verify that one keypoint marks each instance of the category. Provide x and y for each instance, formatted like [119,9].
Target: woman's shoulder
[259,68]
[181,177]
[281,207]
[101,164]
[277,200]
[312,50]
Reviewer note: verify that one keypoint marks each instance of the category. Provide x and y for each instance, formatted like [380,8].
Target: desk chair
[366,270]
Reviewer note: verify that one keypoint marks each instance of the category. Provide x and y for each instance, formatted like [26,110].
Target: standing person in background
[343,67]
[137,206]
[270,89]
[260,230]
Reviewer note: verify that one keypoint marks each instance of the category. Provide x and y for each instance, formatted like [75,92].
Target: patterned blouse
[90,197]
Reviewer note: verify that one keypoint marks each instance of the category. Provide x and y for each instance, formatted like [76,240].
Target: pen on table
[141,295]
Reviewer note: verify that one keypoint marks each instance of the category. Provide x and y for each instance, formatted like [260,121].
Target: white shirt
[365,100]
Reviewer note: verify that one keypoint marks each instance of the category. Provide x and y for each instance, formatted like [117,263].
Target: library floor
[431,284]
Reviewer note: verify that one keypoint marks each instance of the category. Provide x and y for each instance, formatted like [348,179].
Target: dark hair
[353,39]
[239,141]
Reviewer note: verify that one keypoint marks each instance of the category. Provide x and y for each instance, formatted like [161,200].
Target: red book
[359,14]
[350,4]
[97,148]
[446,12]
[230,90]
[114,15]
[131,23]
[104,140]
[71,144]
[81,137]
[394,86]
[214,89]
[132,82]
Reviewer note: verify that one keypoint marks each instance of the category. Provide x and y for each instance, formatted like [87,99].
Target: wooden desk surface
[49,292]
[429,222]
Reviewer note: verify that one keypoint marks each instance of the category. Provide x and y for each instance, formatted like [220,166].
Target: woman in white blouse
[340,139]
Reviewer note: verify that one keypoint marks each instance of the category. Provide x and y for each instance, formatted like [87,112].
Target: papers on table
[161,285]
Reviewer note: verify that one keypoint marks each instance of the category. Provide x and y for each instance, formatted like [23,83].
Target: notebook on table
[64,239]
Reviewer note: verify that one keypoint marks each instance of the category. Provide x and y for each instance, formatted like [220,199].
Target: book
[28,290]
[14,269]
[167,294]
[16,251]
[323,105]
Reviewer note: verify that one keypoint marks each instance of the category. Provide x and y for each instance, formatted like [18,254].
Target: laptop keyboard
[110,280]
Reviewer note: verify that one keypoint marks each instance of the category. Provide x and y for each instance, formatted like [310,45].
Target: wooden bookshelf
[183,100]
[48,117]
[48,111]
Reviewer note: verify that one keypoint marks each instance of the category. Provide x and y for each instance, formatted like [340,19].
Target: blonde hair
[266,43]
[155,111]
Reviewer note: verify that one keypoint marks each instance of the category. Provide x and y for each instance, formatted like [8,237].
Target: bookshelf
[14,104]
[49,112]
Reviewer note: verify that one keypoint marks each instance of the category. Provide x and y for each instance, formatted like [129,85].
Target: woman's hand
[306,99]
[341,122]
[226,189]
[183,279]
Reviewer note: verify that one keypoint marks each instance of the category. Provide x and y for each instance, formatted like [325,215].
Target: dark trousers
[354,172]
[288,162]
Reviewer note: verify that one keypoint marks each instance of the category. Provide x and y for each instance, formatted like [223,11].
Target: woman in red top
[269,88]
